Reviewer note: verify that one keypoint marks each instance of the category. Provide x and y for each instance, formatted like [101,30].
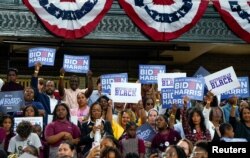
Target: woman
[30,111]
[216,118]
[174,151]
[148,103]
[66,149]
[61,129]
[194,126]
[29,100]
[89,128]
[126,116]
[186,145]
[242,127]
[165,136]
[82,111]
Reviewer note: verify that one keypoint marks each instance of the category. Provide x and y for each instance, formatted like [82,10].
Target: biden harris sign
[46,56]
[193,88]
[241,92]
[148,73]
[107,79]
[77,64]
[222,81]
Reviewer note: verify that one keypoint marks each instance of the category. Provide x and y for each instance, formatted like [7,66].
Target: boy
[226,131]
[23,138]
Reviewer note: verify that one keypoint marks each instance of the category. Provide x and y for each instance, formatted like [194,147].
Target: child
[131,143]
[7,124]
[23,138]
[226,131]
[44,150]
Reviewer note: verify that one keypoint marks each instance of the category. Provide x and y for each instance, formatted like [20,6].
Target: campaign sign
[77,64]
[148,73]
[168,98]
[11,101]
[32,120]
[126,92]
[46,56]
[166,80]
[193,88]
[201,72]
[145,132]
[107,79]
[222,81]
[242,91]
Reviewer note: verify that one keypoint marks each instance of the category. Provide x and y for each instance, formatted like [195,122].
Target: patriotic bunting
[69,18]
[236,13]
[163,20]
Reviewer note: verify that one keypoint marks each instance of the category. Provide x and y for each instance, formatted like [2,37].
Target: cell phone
[98,122]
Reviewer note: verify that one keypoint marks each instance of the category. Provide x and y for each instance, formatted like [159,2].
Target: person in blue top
[232,102]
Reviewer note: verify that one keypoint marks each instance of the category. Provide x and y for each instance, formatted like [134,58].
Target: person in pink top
[69,95]
[61,129]
[83,111]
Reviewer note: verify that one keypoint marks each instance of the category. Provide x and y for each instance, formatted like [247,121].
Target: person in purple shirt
[166,136]
[11,84]
[61,129]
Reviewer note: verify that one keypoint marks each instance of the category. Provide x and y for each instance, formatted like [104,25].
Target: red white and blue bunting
[163,20]
[236,13]
[69,18]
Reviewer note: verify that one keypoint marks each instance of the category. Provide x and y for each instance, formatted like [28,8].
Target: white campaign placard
[222,81]
[32,120]
[166,80]
[126,92]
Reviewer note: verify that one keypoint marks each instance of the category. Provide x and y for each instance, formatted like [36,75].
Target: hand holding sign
[89,74]
[62,71]
[185,101]
[38,65]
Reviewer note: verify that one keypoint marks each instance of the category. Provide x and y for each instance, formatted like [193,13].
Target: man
[69,95]
[232,102]
[11,84]
[47,98]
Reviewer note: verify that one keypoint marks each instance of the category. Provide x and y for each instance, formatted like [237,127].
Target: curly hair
[129,112]
[24,129]
[108,150]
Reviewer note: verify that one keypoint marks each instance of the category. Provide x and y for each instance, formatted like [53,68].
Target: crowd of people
[107,129]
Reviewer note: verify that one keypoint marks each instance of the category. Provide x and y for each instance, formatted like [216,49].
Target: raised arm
[142,112]
[185,124]
[34,80]
[89,91]
[61,83]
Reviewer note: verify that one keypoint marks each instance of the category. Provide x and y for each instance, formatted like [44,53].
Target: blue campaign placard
[145,132]
[46,56]
[107,79]
[168,98]
[193,88]
[11,101]
[148,73]
[201,72]
[241,92]
[77,64]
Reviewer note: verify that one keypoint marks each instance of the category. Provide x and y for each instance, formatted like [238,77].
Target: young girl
[131,143]
[7,124]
